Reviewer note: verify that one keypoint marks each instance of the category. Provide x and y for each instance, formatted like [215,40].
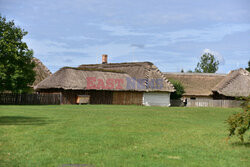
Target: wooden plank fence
[213,103]
[29,99]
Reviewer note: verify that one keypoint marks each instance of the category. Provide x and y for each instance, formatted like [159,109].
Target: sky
[172,34]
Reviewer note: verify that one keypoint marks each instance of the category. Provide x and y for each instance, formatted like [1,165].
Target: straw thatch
[138,70]
[76,78]
[235,84]
[197,84]
[41,70]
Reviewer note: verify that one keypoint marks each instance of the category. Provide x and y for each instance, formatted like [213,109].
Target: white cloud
[78,38]
[119,30]
[217,55]
[46,48]
[141,46]
[208,34]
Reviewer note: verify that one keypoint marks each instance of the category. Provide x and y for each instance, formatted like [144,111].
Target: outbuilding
[139,83]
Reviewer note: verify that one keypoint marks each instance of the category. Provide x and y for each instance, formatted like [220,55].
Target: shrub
[239,123]
[179,90]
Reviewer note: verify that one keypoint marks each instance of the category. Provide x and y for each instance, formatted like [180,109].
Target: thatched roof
[76,78]
[235,84]
[138,70]
[41,70]
[197,84]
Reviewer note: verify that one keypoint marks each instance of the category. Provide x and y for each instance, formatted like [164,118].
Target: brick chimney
[104,59]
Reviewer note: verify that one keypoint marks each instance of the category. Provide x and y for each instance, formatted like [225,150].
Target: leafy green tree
[207,64]
[179,90]
[239,123]
[248,68]
[16,66]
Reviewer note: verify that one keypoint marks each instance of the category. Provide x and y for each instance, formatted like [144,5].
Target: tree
[248,68]
[207,64]
[179,90]
[239,123]
[16,65]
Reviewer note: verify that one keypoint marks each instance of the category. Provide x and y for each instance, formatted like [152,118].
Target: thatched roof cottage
[197,85]
[138,83]
[213,86]
[235,84]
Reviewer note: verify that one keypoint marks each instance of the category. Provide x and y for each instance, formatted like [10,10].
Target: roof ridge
[93,69]
[119,64]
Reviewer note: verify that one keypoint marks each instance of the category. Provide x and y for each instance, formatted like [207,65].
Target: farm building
[235,84]
[138,83]
[202,86]
[197,85]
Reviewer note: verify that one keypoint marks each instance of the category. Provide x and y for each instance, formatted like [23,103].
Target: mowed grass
[112,135]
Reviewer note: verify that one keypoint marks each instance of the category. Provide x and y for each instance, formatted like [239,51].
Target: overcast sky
[172,34]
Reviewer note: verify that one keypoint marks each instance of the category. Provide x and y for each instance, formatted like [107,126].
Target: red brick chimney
[104,59]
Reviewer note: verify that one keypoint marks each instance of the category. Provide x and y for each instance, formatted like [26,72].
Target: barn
[197,86]
[209,86]
[139,83]
[235,84]
[213,90]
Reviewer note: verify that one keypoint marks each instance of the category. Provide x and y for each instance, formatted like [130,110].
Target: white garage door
[156,99]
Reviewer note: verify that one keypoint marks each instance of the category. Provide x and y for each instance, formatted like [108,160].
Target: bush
[239,123]
[179,90]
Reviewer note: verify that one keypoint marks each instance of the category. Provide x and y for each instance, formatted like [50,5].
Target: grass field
[110,135]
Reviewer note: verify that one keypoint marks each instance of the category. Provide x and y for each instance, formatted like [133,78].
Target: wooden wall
[99,96]
[127,98]
[96,97]
[214,103]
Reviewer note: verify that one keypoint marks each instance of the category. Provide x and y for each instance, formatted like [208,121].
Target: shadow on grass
[244,144]
[21,120]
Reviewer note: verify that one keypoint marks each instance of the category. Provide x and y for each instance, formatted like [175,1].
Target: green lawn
[112,135]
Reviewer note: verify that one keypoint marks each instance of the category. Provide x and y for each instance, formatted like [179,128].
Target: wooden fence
[29,99]
[213,103]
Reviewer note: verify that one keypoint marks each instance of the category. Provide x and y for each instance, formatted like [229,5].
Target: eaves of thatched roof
[235,84]
[196,84]
[41,70]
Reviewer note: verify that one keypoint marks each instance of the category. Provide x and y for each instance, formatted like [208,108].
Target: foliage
[248,68]
[179,90]
[239,123]
[207,64]
[16,66]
